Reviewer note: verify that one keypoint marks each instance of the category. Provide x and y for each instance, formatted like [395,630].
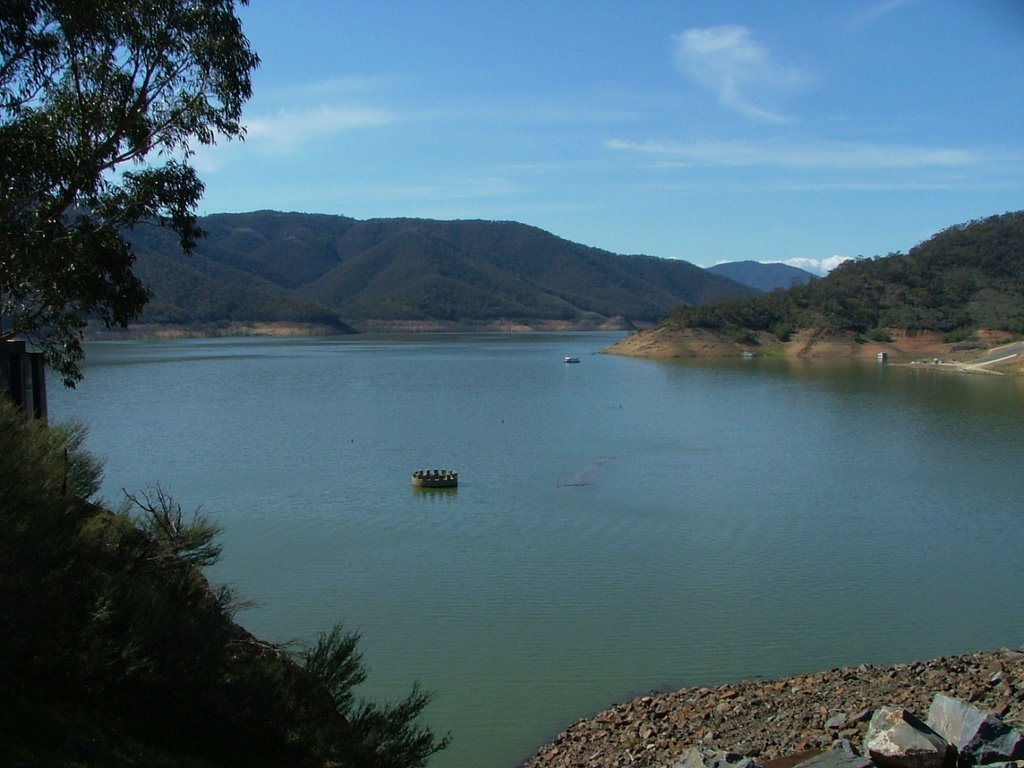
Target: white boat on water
[572,359]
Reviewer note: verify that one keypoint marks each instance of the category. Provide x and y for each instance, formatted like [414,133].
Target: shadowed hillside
[270,266]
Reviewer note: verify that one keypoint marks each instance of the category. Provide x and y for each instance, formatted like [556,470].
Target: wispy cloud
[290,130]
[451,188]
[435,190]
[351,84]
[294,91]
[822,155]
[868,15]
[728,61]
[530,113]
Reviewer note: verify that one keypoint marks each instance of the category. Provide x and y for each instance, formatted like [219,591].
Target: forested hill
[965,278]
[313,268]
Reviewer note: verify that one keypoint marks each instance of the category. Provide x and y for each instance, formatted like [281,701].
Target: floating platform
[435,478]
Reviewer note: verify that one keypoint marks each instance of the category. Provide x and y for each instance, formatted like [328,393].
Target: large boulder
[980,738]
[897,739]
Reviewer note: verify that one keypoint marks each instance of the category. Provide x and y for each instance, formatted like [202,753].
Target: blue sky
[797,131]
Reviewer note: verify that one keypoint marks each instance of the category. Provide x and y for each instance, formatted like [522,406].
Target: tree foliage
[192,539]
[91,91]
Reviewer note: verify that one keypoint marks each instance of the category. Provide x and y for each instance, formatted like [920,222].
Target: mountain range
[310,268]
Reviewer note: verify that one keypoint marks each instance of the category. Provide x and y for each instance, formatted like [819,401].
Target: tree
[91,91]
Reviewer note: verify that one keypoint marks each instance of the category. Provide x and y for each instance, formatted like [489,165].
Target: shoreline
[777,721]
[990,352]
[294,329]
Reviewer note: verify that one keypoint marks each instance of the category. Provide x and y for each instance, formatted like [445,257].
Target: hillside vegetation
[964,279]
[271,266]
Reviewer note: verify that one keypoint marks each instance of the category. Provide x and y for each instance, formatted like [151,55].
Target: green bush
[44,474]
[957,335]
[739,334]
[783,331]
[386,735]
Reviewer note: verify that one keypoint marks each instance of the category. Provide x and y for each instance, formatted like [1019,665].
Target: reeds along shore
[771,720]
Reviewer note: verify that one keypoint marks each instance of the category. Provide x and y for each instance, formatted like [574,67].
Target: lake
[620,525]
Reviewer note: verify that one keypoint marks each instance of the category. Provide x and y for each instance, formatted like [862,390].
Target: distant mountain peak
[763,277]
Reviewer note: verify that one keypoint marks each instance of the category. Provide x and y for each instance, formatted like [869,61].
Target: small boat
[435,478]
[572,359]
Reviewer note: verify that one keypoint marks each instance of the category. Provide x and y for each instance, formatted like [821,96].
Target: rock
[843,756]
[897,739]
[699,757]
[980,738]
[837,721]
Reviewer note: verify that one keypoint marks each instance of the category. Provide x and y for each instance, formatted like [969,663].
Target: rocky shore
[779,723]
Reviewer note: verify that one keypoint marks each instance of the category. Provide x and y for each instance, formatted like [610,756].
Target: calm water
[620,525]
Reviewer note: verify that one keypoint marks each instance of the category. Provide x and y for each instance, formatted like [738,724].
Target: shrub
[740,335]
[957,335]
[783,331]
